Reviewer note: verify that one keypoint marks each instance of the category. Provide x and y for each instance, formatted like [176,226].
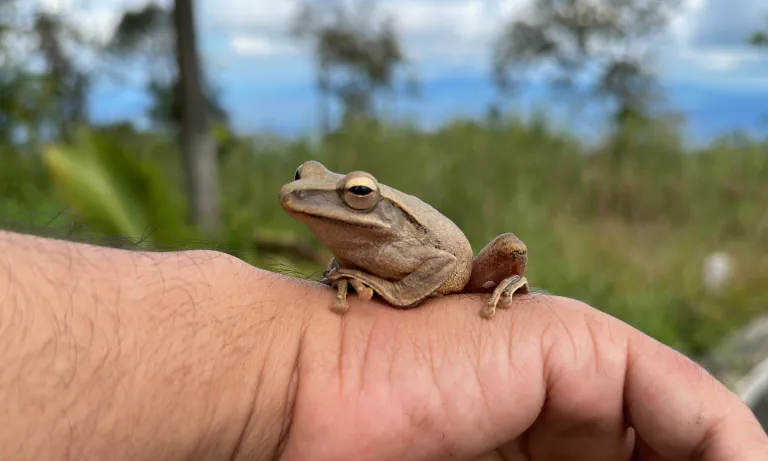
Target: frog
[385,242]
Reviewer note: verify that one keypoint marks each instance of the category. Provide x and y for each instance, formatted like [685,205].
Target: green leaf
[103,178]
[90,188]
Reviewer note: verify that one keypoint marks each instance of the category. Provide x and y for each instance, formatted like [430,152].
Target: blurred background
[624,141]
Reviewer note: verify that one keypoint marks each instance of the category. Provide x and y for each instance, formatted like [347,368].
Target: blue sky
[709,74]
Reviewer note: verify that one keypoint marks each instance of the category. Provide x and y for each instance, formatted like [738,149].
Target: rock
[761,411]
[741,363]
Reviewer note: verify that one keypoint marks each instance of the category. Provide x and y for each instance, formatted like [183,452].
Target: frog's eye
[361,192]
[297,175]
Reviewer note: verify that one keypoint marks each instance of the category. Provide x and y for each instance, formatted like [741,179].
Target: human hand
[196,355]
[547,379]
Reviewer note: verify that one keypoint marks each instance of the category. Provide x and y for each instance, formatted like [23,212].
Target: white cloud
[248,16]
[455,21]
[455,32]
[722,60]
[440,36]
[96,20]
[259,46]
[435,34]
[686,23]
[689,58]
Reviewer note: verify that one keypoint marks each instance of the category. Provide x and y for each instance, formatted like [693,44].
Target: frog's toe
[515,284]
[505,301]
[522,289]
[363,291]
[339,306]
[488,311]
[366,293]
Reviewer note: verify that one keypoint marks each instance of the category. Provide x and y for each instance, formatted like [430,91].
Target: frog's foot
[340,304]
[502,294]
[412,289]
[363,291]
[331,277]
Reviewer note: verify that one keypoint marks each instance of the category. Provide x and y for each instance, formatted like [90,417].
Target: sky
[708,72]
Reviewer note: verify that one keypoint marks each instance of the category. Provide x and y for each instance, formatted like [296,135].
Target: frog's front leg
[340,303]
[500,267]
[412,289]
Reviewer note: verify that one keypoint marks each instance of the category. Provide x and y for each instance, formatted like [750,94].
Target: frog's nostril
[284,196]
[288,196]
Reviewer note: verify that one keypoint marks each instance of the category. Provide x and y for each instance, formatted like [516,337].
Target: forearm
[129,355]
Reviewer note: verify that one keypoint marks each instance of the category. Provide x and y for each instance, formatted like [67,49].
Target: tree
[145,36]
[9,73]
[599,40]
[759,38]
[196,140]
[63,80]
[357,56]
[40,103]
[164,42]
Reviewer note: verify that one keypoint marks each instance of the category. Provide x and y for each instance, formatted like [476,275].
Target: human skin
[111,354]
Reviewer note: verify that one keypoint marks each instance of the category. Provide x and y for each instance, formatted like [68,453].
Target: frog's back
[446,234]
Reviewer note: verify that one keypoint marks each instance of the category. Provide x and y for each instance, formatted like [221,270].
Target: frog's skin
[395,245]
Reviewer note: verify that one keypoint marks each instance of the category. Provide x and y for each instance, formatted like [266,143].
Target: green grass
[624,227]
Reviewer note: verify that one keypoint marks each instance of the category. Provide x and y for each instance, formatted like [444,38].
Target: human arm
[196,355]
[111,354]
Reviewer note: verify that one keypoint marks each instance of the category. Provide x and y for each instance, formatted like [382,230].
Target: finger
[584,368]
[681,412]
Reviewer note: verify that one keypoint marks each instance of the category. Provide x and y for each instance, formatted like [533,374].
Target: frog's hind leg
[499,268]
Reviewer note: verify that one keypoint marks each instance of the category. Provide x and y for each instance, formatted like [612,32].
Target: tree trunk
[195,140]
[322,98]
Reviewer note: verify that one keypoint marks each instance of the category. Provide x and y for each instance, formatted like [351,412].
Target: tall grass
[624,227]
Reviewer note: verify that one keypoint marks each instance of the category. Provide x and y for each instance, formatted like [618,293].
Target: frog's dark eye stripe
[297,175]
[360,190]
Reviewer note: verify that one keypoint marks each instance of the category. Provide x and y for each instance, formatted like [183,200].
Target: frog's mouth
[307,216]
[308,208]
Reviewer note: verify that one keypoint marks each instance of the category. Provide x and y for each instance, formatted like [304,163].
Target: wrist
[131,355]
[226,351]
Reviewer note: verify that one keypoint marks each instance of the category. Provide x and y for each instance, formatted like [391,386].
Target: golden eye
[360,192]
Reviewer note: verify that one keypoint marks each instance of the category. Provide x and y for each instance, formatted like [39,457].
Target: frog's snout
[285,196]
[289,195]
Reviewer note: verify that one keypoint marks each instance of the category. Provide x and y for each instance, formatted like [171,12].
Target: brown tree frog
[393,244]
